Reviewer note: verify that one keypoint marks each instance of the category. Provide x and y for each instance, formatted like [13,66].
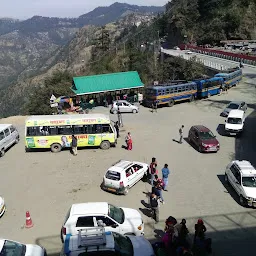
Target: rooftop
[106,82]
[89,208]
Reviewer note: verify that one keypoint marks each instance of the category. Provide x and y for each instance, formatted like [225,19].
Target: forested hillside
[209,21]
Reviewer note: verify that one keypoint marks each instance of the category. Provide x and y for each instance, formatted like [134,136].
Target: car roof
[201,128]
[245,167]
[4,126]
[89,208]
[236,113]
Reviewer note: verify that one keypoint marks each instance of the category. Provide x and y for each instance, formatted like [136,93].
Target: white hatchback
[125,221]
[120,177]
[8,247]
[242,177]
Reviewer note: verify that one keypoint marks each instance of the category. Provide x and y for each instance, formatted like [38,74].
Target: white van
[235,122]
[8,136]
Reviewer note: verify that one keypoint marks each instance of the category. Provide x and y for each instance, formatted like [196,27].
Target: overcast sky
[23,9]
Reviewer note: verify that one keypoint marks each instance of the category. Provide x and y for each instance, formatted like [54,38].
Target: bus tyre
[2,152]
[126,190]
[170,103]
[105,145]
[17,140]
[192,98]
[56,147]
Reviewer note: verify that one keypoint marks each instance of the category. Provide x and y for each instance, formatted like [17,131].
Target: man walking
[153,170]
[181,134]
[165,174]
[119,116]
[117,129]
[74,145]
[154,106]
[154,206]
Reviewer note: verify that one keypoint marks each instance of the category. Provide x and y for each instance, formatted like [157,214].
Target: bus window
[52,130]
[159,92]
[78,129]
[167,91]
[65,130]
[33,131]
[175,89]
[93,128]
[171,90]
[179,89]
[106,128]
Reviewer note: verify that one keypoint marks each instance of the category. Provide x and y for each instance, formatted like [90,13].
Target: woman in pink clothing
[128,140]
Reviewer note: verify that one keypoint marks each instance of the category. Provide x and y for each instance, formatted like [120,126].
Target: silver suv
[124,107]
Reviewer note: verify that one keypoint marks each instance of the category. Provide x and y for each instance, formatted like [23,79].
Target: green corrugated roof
[106,82]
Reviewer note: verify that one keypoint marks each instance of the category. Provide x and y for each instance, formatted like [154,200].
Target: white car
[97,242]
[242,177]
[2,206]
[117,219]
[188,52]
[124,107]
[234,124]
[120,177]
[8,247]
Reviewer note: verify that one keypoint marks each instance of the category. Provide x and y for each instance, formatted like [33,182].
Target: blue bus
[209,87]
[231,77]
[168,94]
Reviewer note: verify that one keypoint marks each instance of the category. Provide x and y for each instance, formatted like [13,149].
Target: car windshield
[233,106]
[116,213]
[233,120]
[123,245]
[11,248]
[206,135]
[112,175]
[249,181]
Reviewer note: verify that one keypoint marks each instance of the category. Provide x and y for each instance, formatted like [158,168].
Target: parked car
[234,124]
[9,247]
[124,107]
[2,206]
[241,175]
[98,242]
[8,136]
[203,139]
[120,177]
[176,48]
[241,105]
[188,52]
[118,219]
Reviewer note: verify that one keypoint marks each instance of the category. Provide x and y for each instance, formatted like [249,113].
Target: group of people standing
[158,185]
[175,239]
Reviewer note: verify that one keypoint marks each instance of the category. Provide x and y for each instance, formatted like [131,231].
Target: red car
[203,139]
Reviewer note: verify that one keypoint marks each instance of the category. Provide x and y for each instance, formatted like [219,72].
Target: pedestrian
[128,140]
[154,106]
[165,174]
[157,190]
[74,145]
[182,233]
[200,230]
[153,170]
[155,207]
[117,129]
[181,134]
[119,116]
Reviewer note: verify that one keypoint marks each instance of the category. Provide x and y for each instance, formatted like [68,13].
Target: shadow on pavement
[232,234]
[245,146]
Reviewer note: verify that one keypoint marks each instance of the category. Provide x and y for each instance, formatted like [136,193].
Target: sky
[23,9]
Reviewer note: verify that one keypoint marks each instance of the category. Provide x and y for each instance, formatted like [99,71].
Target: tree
[38,102]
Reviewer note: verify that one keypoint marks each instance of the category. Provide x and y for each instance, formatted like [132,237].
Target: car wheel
[56,147]
[171,103]
[2,152]
[226,179]
[192,98]
[105,145]
[242,200]
[200,149]
[134,111]
[114,112]
[126,191]
[17,140]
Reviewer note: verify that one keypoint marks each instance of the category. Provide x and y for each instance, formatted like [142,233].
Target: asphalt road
[47,184]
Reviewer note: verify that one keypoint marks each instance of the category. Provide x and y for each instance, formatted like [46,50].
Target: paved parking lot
[47,184]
